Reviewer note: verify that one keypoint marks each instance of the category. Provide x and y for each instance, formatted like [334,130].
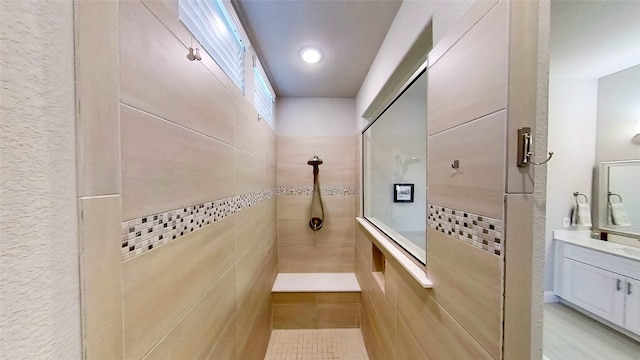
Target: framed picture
[402,192]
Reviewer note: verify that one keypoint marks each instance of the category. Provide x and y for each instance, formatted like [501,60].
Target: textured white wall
[540,181]
[572,137]
[39,296]
[618,113]
[315,116]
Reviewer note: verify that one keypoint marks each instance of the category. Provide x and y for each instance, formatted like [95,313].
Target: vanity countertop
[583,238]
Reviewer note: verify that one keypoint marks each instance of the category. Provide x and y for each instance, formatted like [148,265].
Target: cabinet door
[632,314]
[596,290]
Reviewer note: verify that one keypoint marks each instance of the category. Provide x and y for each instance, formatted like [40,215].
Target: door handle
[628,288]
[618,284]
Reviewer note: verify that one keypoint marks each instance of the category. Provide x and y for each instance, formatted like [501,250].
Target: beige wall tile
[98,116]
[101,268]
[167,12]
[377,301]
[196,335]
[271,235]
[251,135]
[523,89]
[331,249]
[181,155]
[253,173]
[151,85]
[294,207]
[335,256]
[294,316]
[338,298]
[296,256]
[331,149]
[165,167]
[272,143]
[469,80]
[295,175]
[316,310]
[392,277]
[250,271]
[368,336]
[336,316]
[467,282]
[338,206]
[518,285]
[441,336]
[296,230]
[340,175]
[478,186]
[363,245]
[226,346]
[336,152]
[407,346]
[250,229]
[250,310]
[421,314]
[191,264]
[256,339]
[378,335]
[336,230]
[293,298]
[271,267]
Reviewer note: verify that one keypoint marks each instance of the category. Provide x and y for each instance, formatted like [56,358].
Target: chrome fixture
[317,209]
[576,194]
[194,55]
[525,149]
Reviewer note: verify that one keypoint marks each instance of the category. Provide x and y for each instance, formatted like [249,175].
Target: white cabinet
[632,306]
[603,284]
[596,290]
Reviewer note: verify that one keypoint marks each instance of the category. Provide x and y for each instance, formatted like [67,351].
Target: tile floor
[317,344]
[570,335]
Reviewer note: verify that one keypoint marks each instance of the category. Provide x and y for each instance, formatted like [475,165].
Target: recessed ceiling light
[310,55]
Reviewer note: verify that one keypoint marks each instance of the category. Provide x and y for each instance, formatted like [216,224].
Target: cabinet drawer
[610,262]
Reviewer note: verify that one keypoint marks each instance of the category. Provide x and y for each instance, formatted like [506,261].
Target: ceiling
[348,33]
[592,39]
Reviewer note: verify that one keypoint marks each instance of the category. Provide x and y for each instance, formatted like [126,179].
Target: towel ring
[614,194]
[576,194]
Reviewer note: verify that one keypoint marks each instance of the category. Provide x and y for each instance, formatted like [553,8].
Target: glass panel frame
[394,168]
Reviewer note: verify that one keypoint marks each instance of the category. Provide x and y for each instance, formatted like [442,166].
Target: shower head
[315,161]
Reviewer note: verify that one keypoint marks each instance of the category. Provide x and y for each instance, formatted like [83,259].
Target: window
[263,99]
[211,24]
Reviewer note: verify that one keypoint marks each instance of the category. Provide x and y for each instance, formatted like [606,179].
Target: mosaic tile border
[146,233]
[325,191]
[480,231]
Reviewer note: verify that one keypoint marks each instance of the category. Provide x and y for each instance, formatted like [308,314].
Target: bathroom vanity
[599,278]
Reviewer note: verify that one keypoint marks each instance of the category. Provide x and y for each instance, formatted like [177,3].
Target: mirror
[617,154]
[619,198]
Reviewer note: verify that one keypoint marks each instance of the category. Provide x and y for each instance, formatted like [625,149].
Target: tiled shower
[189,205]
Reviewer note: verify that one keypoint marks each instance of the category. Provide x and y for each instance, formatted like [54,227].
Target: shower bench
[316,301]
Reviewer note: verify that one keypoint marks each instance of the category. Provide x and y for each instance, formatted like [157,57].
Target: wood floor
[570,335]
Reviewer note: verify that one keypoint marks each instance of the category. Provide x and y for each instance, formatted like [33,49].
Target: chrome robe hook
[525,146]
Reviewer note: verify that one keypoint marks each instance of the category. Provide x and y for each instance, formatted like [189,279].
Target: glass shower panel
[395,169]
